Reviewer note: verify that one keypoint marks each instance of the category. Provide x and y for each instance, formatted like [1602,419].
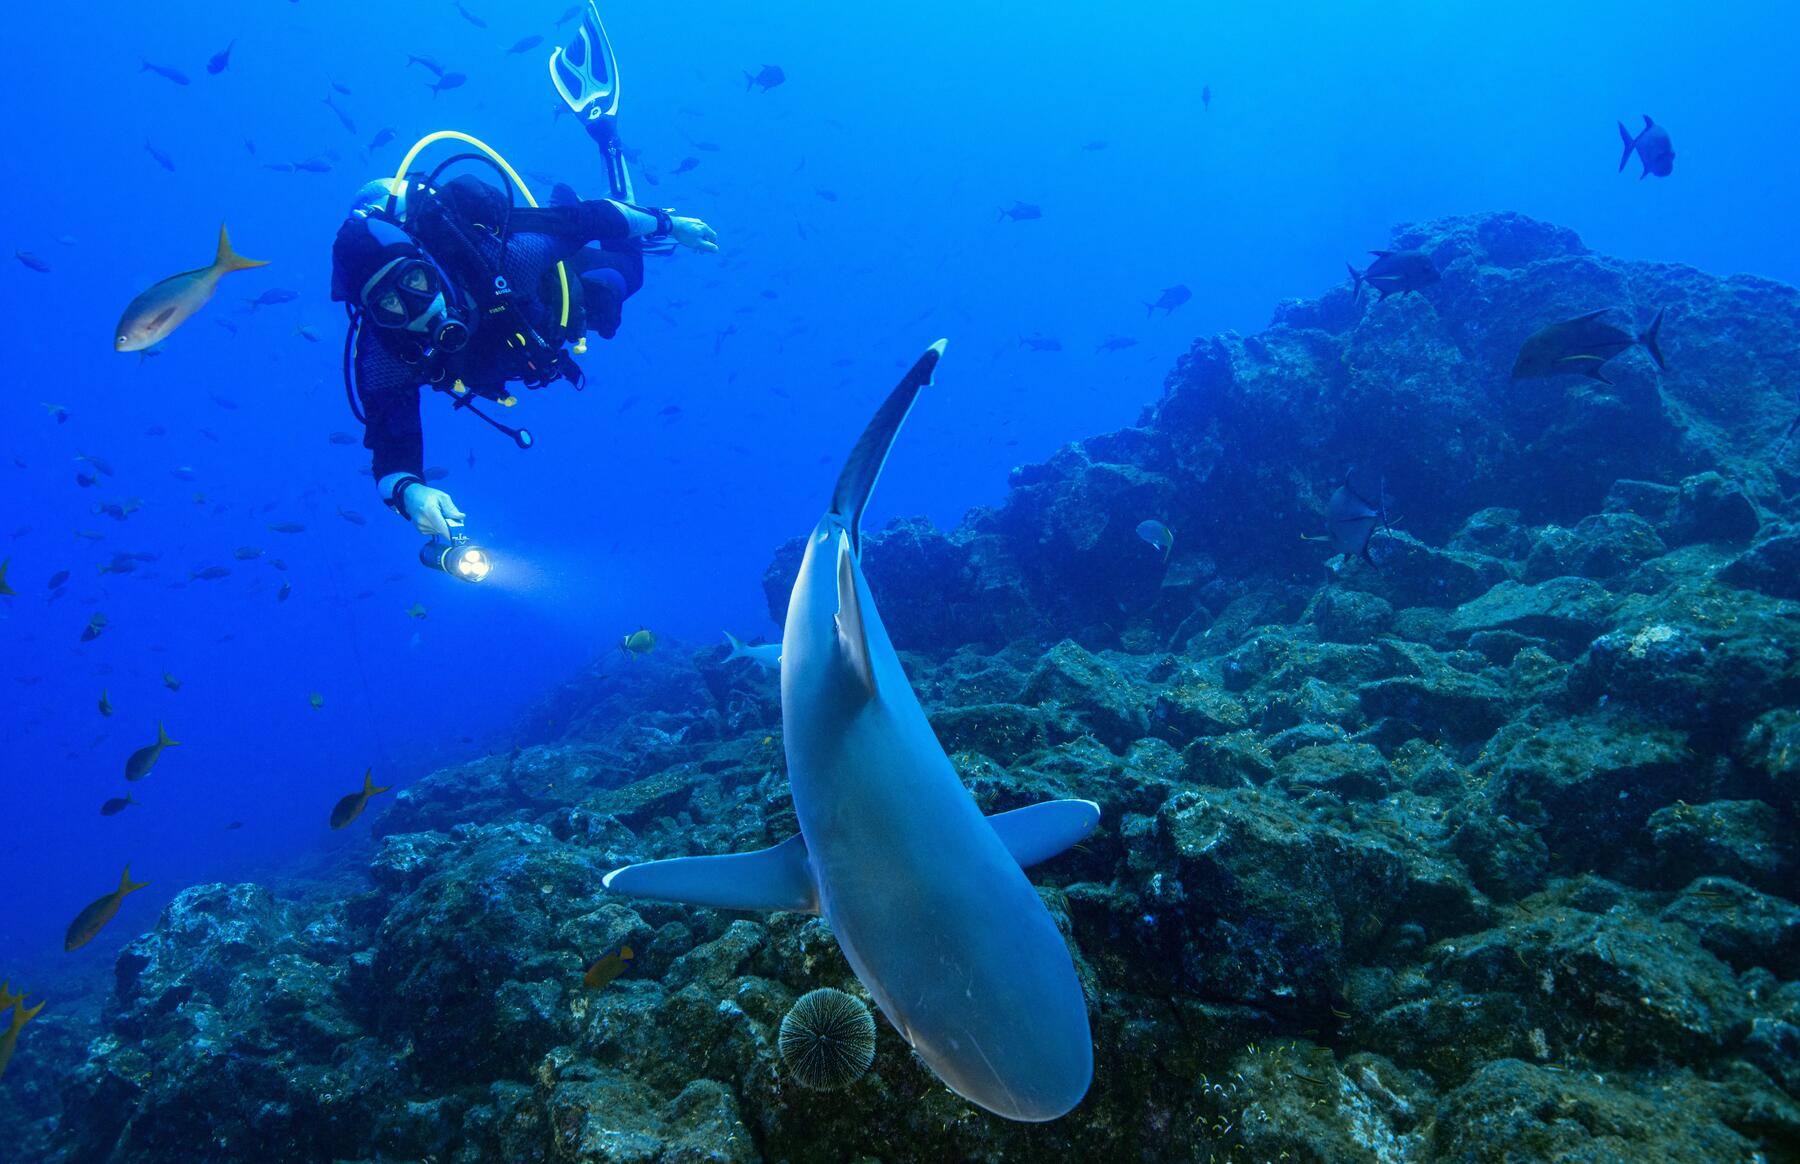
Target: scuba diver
[456,288]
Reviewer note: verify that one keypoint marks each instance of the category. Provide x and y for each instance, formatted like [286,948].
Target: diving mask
[409,293]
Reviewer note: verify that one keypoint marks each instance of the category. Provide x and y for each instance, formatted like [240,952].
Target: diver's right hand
[431,510]
[693,234]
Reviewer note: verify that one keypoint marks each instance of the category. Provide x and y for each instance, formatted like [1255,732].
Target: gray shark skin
[927,898]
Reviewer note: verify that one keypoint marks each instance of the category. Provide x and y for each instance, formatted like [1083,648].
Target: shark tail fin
[857,480]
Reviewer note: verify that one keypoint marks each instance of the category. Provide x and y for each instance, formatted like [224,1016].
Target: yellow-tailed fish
[139,763]
[638,642]
[351,806]
[93,919]
[9,1038]
[150,317]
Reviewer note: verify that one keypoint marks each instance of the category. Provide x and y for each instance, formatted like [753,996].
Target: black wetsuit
[601,278]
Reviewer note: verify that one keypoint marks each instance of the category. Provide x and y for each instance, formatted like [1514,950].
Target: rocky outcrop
[1486,851]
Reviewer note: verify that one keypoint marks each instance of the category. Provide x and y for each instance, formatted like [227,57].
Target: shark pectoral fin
[1038,832]
[777,878]
[852,631]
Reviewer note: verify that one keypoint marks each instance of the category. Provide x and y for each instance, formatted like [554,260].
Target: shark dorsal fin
[852,630]
[857,480]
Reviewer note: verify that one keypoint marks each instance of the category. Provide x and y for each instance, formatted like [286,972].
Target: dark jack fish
[1020,212]
[1395,273]
[1582,346]
[164,71]
[1354,519]
[1653,147]
[221,60]
[768,77]
[1169,300]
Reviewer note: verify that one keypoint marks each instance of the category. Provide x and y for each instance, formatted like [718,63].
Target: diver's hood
[365,244]
[382,196]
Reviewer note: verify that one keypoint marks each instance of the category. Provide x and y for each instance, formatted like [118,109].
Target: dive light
[460,558]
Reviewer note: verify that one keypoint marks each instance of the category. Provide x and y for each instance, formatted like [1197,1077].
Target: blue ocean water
[858,209]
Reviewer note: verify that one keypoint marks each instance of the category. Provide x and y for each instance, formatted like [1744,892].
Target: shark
[927,897]
[764,655]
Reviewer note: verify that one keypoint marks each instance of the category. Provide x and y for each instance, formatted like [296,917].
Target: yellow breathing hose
[562,271]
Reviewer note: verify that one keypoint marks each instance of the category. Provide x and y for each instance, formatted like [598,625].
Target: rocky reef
[1485,852]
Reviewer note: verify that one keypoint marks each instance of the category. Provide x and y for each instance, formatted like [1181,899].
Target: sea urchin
[828,1039]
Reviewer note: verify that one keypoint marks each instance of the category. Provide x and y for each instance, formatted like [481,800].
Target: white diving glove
[431,510]
[693,234]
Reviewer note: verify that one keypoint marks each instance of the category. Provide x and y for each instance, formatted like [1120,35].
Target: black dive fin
[857,480]
[777,878]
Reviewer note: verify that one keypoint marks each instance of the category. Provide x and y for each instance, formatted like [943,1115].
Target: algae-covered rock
[1566,611]
[1092,690]
[1512,1110]
[469,962]
[1189,707]
[1738,924]
[1601,546]
[1741,839]
[1587,784]
[1772,565]
[1771,748]
[1710,508]
[1697,656]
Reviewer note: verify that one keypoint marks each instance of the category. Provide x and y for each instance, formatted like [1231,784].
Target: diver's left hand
[693,234]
